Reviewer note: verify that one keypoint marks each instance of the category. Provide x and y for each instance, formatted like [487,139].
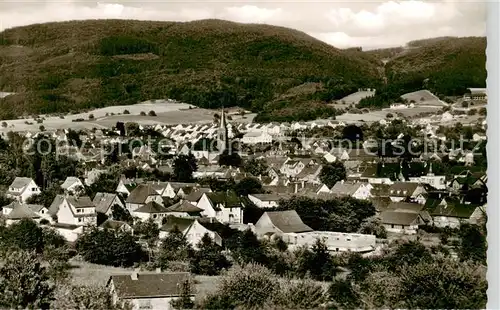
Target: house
[265,200]
[141,195]
[196,195]
[73,210]
[150,210]
[356,190]
[334,241]
[118,226]
[399,191]
[173,189]
[280,223]
[452,213]
[256,137]
[16,211]
[192,228]
[105,201]
[184,208]
[125,186]
[22,188]
[401,222]
[68,231]
[148,290]
[72,185]
[436,181]
[224,206]
[92,176]
[310,174]
[476,94]
[329,157]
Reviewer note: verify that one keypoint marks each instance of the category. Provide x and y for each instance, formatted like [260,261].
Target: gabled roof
[345,189]
[226,199]
[184,206]
[151,207]
[103,201]
[181,222]
[288,221]
[405,189]
[457,209]
[112,224]
[398,218]
[20,182]
[141,193]
[196,195]
[80,201]
[69,182]
[21,211]
[267,197]
[150,285]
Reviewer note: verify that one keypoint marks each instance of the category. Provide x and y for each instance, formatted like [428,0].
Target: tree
[126,112]
[317,262]
[255,167]
[249,249]
[248,186]
[118,213]
[184,301]
[83,297]
[91,116]
[24,283]
[208,259]
[332,173]
[473,244]
[106,247]
[152,113]
[174,247]
[184,166]
[148,231]
[409,253]
[41,128]
[343,295]
[142,113]
[24,235]
[229,159]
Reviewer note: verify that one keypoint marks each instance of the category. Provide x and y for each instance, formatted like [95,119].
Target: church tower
[222,143]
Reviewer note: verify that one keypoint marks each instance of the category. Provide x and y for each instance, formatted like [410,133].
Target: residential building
[72,185]
[280,223]
[141,195]
[22,188]
[105,201]
[73,210]
[148,290]
[150,210]
[255,137]
[117,226]
[17,211]
[265,200]
[400,191]
[224,206]
[401,222]
[358,190]
[192,228]
[184,208]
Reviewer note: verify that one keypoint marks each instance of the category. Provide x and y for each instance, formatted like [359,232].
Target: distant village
[292,158]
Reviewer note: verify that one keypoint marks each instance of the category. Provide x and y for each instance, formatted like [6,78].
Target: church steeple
[222,143]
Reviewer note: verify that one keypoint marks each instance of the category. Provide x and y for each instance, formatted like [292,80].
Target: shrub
[465,104]
[91,116]
[126,112]
[4,124]
[152,113]
[389,115]
[61,116]
[42,128]
[472,112]
[482,111]
[143,113]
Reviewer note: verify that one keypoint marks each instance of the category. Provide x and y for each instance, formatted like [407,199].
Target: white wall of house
[67,214]
[363,192]
[169,191]
[122,189]
[263,204]
[197,231]
[71,235]
[336,242]
[401,229]
[22,194]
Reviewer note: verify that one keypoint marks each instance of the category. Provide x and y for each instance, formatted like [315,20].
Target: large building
[222,135]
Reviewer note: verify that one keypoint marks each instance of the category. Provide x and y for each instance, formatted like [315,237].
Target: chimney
[134,276]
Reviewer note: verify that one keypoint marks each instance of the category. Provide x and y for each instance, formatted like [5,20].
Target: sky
[369,24]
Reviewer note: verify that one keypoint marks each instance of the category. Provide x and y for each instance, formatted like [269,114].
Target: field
[167,113]
[356,97]
[91,274]
[424,98]
[375,116]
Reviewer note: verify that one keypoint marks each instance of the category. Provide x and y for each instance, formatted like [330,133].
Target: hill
[445,66]
[72,66]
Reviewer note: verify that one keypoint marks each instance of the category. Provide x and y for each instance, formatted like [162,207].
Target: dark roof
[398,218]
[141,193]
[226,199]
[267,197]
[405,207]
[20,182]
[380,189]
[151,207]
[54,206]
[196,195]
[103,201]
[183,206]
[405,188]
[80,201]
[112,224]
[380,203]
[288,221]
[453,210]
[181,222]
[150,285]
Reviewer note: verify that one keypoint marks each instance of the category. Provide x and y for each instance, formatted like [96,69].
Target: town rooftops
[226,199]
[402,189]
[288,221]
[103,201]
[181,222]
[70,181]
[80,201]
[149,285]
[22,211]
[196,195]
[112,224]
[268,197]
[345,189]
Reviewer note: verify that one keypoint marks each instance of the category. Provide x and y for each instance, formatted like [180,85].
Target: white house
[68,231]
[151,210]
[436,181]
[192,228]
[401,222]
[335,241]
[280,223]
[257,137]
[265,200]
[22,188]
[358,190]
[148,290]
[16,211]
[184,208]
[173,189]
[224,206]
[74,210]
[92,176]
[405,190]
[72,184]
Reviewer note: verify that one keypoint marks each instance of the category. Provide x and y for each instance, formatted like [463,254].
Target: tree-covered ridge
[57,67]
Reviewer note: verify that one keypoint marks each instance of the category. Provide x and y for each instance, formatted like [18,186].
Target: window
[392,225]
[78,210]
[154,216]
[79,220]
[145,304]
[33,189]
[348,239]
[336,249]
